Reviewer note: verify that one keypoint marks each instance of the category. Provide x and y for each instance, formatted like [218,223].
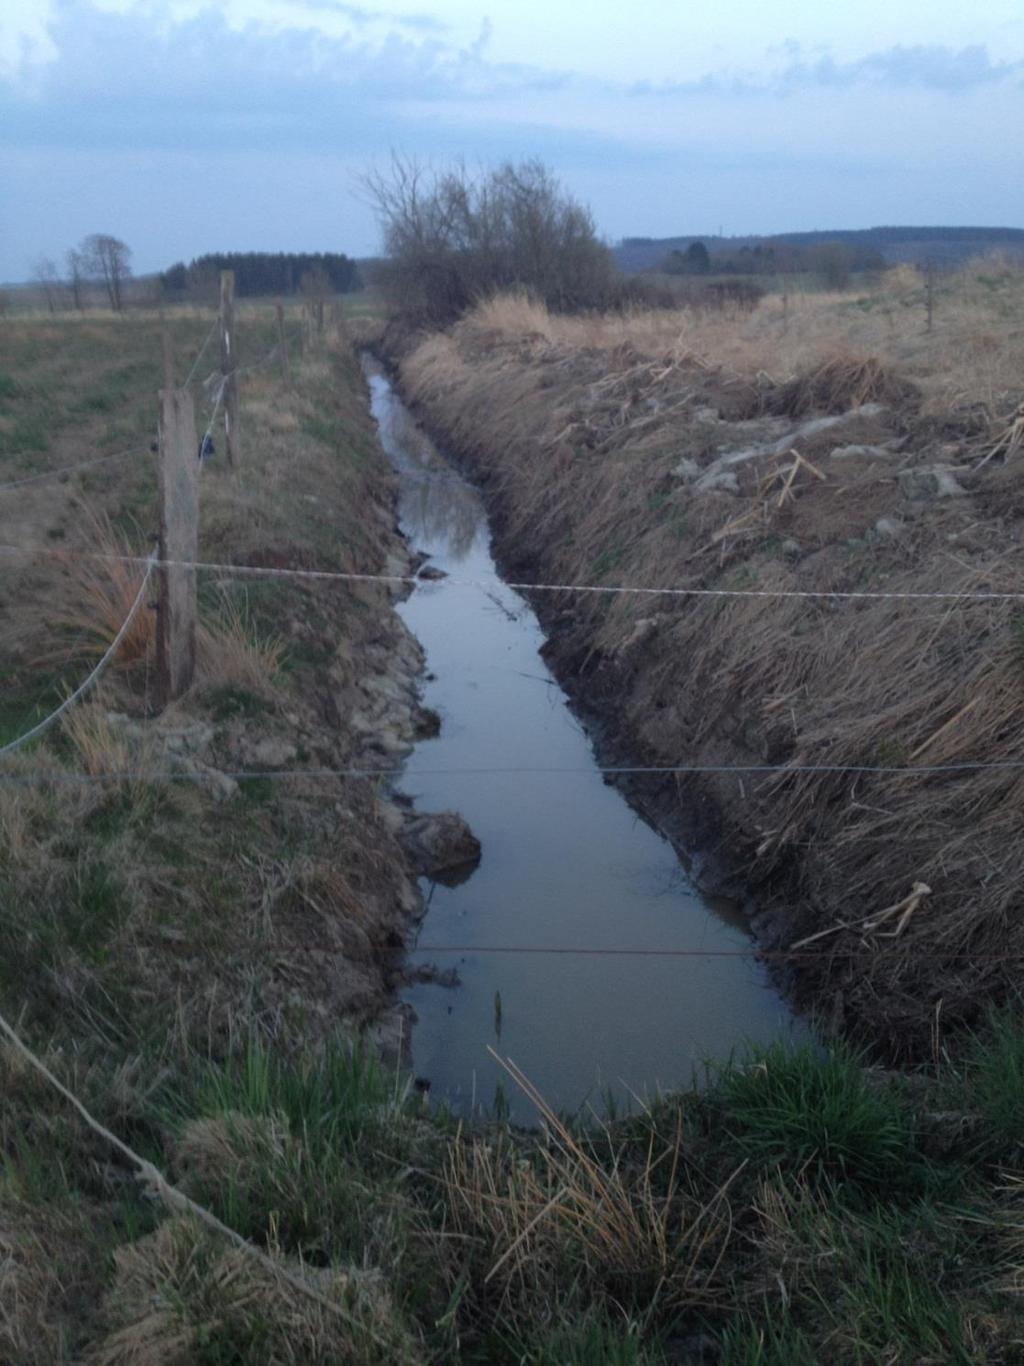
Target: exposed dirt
[610,468]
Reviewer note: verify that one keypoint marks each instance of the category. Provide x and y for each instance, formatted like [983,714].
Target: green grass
[607,561]
[813,1113]
[230,701]
[588,1340]
[990,1083]
[308,1152]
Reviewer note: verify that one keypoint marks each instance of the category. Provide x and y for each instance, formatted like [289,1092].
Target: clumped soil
[608,467]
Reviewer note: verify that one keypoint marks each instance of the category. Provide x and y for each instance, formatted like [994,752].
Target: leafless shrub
[452,239]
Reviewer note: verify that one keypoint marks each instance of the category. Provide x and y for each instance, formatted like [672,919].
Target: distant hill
[944,246]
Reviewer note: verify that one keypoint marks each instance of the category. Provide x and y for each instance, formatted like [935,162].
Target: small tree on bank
[452,239]
[108,260]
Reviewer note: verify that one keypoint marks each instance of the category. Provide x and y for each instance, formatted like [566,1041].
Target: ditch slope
[613,468]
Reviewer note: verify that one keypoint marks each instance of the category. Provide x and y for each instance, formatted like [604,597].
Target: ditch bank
[240,880]
[610,468]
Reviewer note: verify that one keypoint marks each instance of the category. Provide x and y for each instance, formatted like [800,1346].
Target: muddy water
[566,863]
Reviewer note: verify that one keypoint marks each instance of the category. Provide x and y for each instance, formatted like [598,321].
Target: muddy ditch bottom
[566,864]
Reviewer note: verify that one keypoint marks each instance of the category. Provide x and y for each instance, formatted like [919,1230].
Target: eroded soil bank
[608,468]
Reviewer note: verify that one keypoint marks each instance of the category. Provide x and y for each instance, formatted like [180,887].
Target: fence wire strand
[88,682]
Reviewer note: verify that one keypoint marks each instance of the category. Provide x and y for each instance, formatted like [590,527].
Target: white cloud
[25,42]
[166,85]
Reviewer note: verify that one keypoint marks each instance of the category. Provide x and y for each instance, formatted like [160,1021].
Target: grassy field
[973,354]
[195,960]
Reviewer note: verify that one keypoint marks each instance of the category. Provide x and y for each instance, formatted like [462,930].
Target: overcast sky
[185,127]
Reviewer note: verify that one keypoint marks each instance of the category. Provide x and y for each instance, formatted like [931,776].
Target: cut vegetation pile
[609,465]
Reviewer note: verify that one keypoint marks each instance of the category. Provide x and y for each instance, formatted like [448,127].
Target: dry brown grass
[103,749]
[637,1230]
[42,1258]
[96,596]
[233,653]
[179,1290]
[581,448]
[975,352]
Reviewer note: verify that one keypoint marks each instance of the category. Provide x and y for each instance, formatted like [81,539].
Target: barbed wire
[453,580]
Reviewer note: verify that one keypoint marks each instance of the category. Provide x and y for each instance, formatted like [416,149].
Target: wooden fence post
[178,481]
[168,356]
[228,365]
[282,342]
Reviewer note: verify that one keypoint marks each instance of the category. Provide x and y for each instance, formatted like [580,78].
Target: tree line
[261,273]
[834,261]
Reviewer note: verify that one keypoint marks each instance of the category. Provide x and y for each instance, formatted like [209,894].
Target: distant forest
[263,272]
[867,247]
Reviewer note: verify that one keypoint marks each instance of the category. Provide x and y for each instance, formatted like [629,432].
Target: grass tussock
[838,384]
[179,1291]
[639,1235]
[233,652]
[98,594]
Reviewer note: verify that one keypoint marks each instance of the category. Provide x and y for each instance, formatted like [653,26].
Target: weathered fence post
[168,356]
[929,294]
[282,342]
[228,365]
[178,481]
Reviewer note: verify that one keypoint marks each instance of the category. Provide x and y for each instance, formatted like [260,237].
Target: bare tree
[452,238]
[76,278]
[108,260]
[47,277]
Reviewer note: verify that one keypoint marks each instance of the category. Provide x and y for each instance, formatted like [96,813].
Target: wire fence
[966,595]
[202,352]
[147,563]
[64,471]
[509,770]
[89,682]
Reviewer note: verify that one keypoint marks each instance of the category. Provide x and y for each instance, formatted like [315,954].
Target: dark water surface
[566,863]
